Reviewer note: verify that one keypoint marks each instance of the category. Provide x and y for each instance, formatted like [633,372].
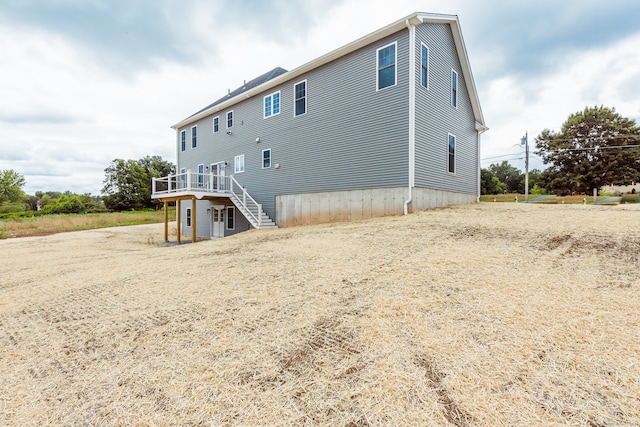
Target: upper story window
[452,153]
[424,67]
[239,164]
[183,140]
[272,104]
[300,98]
[194,136]
[266,158]
[229,119]
[216,124]
[454,89]
[386,66]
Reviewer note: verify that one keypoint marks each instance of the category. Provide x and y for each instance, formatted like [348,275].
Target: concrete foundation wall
[318,208]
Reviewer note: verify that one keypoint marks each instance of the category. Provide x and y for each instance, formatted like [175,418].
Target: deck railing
[193,182]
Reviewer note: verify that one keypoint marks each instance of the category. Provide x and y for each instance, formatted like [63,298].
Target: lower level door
[217,222]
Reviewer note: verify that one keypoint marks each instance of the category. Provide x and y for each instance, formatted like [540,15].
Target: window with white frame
[239,164]
[272,104]
[424,67]
[229,119]
[454,89]
[216,124]
[183,140]
[231,218]
[266,158]
[386,57]
[188,217]
[452,153]
[300,98]
[194,136]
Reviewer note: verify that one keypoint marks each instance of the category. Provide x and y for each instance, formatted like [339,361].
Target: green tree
[11,183]
[127,183]
[490,184]
[589,151]
[509,175]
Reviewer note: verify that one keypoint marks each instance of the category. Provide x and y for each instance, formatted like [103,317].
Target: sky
[84,82]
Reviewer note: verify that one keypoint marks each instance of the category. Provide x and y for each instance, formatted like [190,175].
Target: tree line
[595,147]
[127,186]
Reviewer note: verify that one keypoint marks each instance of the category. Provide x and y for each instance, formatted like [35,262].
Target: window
[386,66]
[452,153]
[194,136]
[201,175]
[425,67]
[239,164]
[216,124]
[188,217]
[266,159]
[229,119]
[231,218]
[272,104]
[183,140]
[300,98]
[454,89]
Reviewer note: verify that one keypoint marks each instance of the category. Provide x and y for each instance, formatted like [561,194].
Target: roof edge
[414,18]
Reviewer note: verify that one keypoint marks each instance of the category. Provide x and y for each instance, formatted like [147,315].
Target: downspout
[479,131]
[412,113]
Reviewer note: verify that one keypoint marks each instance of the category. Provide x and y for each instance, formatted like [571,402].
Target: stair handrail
[243,201]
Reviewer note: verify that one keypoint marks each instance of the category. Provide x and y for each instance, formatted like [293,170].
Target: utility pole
[525,141]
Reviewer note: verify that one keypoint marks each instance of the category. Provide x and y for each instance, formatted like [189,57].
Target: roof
[245,87]
[271,80]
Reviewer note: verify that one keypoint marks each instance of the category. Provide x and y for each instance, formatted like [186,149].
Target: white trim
[196,138]
[415,18]
[454,102]
[262,158]
[306,95]
[226,119]
[214,124]
[422,45]
[455,160]
[236,163]
[271,104]
[395,66]
[226,219]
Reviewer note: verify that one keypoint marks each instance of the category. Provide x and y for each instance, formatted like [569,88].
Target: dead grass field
[481,315]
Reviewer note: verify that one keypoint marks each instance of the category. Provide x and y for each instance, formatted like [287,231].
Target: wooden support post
[193,220]
[178,219]
[166,221]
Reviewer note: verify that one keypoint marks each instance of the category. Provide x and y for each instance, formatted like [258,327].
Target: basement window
[188,217]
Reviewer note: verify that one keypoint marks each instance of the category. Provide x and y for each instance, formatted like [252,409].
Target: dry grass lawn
[481,315]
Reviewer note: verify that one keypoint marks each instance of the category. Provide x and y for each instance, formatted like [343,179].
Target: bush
[537,191]
[67,203]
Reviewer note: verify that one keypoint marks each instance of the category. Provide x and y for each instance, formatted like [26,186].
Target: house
[386,125]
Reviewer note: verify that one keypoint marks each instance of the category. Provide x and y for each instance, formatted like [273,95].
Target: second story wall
[351,136]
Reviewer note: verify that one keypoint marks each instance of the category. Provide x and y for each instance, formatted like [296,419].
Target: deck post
[166,221]
[178,219]
[193,220]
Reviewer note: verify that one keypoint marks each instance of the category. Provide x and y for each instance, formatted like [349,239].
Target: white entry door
[217,221]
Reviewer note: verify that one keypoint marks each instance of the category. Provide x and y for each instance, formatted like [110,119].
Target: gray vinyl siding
[352,136]
[436,118]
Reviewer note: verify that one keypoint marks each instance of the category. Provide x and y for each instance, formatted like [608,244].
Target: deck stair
[251,209]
